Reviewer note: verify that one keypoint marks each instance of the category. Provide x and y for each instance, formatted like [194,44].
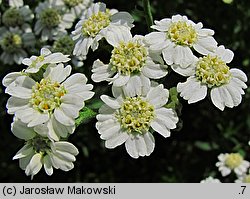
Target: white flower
[51,21]
[130,61]
[130,116]
[15,3]
[17,16]
[76,7]
[175,39]
[245,178]
[211,73]
[34,63]
[14,43]
[53,100]
[39,151]
[93,25]
[210,179]
[232,162]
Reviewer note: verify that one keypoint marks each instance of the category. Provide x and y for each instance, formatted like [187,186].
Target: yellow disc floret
[11,42]
[46,95]
[128,58]
[233,160]
[182,33]
[72,3]
[211,70]
[94,24]
[135,115]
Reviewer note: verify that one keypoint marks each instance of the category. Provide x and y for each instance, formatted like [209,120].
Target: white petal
[192,90]
[101,71]
[217,98]
[63,118]
[157,41]
[20,130]
[189,71]
[56,58]
[133,87]
[48,165]
[34,166]
[183,56]
[38,118]
[121,80]
[11,77]
[58,73]
[66,147]
[116,140]
[238,74]
[25,151]
[167,116]
[162,25]
[154,71]
[45,51]
[158,96]
[111,102]
[160,127]
[225,54]
[108,128]
[205,45]
[77,78]
[14,104]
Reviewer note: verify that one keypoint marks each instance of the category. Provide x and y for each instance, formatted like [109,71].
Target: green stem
[148,13]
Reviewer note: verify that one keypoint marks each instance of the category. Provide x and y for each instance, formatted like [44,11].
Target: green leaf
[85,115]
[205,146]
[96,104]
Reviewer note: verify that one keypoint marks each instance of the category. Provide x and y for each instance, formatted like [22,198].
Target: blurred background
[190,154]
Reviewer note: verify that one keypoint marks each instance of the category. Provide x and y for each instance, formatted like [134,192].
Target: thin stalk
[148,13]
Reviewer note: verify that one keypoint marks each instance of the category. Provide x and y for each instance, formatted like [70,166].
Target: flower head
[130,57]
[210,179]
[53,100]
[16,3]
[232,162]
[34,63]
[130,117]
[211,73]
[39,151]
[14,43]
[51,21]
[17,16]
[176,37]
[245,178]
[94,24]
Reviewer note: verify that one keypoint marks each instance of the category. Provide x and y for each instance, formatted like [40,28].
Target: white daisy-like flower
[129,58]
[14,43]
[54,100]
[51,21]
[211,73]
[93,27]
[131,115]
[176,39]
[232,162]
[210,179]
[16,3]
[34,63]
[245,178]
[76,7]
[15,16]
[39,151]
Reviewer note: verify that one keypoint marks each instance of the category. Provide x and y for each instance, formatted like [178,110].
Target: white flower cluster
[45,101]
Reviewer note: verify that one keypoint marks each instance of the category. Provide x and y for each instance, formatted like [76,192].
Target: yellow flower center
[94,24]
[50,17]
[211,70]
[182,34]
[246,179]
[72,3]
[11,42]
[233,160]
[128,58]
[135,115]
[46,95]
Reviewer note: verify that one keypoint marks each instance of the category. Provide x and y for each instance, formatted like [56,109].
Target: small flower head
[131,115]
[211,74]
[210,179]
[130,57]
[232,162]
[17,16]
[64,44]
[40,151]
[94,24]
[51,20]
[54,100]
[177,37]
[14,43]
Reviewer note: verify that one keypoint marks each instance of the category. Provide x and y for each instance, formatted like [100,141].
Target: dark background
[190,154]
